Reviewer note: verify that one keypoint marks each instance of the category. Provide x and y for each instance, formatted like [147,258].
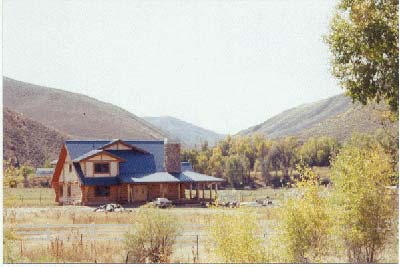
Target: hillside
[336,116]
[76,115]
[358,118]
[188,133]
[28,141]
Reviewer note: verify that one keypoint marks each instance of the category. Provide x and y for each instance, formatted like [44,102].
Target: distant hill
[76,115]
[336,116]
[28,141]
[188,133]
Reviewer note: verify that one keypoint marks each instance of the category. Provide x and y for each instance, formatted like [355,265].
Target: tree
[360,175]
[363,40]
[11,174]
[318,151]
[202,162]
[25,171]
[305,222]
[237,238]
[236,168]
[286,150]
[262,165]
[216,165]
[153,237]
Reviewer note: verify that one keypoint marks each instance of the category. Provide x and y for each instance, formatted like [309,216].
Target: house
[53,163]
[94,172]
[43,177]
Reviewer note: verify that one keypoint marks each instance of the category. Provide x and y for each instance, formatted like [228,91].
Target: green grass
[28,197]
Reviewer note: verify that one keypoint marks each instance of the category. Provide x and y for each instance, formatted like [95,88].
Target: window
[61,190]
[102,168]
[102,191]
[69,190]
[70,167]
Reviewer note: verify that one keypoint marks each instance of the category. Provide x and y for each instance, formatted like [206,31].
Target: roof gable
[116,142]
[95,153]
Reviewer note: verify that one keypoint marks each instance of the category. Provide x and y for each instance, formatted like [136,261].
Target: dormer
[99,163]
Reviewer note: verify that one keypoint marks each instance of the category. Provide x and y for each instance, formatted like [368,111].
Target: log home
[126,171]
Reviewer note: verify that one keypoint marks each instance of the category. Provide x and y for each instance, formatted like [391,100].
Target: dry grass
[193,222]
[28,197]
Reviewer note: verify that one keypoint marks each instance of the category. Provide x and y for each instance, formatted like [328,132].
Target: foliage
[360,175]
[236,238]
[11,174]
[153,237]
[305,222]
[363,40]
[14,175]
[235,158]
[9,238]
[318,151]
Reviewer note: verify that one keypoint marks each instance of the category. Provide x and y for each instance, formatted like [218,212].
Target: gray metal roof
[44,172]
[165,177]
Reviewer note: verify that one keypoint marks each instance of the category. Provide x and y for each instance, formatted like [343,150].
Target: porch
[177,192]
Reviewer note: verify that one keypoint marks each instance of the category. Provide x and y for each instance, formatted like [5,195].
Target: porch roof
[165,177]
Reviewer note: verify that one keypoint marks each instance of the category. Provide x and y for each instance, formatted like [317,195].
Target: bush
[360,176]
[9,242]
[305,223]
[152,238]
[237,238]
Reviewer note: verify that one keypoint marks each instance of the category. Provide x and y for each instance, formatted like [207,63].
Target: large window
[102,168]
[61,190]
[102,191]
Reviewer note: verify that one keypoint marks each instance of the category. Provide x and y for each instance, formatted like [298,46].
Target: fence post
[197,248]
[48,232]
[21,249]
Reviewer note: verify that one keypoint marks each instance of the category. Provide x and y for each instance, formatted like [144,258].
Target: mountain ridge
[189,133]
[336,116]
[77,115]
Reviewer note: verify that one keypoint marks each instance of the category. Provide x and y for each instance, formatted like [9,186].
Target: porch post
[86,194]
[190,190]
[129,193]
[132,194]
[210,191]
[203,185]
[197,191]
[161,190]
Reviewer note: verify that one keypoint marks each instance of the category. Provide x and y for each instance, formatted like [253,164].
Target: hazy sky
[223,65]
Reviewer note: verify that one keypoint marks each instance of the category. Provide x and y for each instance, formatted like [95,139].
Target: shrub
[360,176]
[152,238]
[236,238]
[303,232]
[9,239]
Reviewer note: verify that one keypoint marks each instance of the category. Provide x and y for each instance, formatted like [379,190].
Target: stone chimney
[172,157]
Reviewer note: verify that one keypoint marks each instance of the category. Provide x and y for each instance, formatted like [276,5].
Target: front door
[140,193]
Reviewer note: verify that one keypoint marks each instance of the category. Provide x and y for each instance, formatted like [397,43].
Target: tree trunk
[26,182]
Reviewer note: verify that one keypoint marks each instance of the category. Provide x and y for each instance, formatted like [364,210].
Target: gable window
[70,167]
[102,191]
[102,168]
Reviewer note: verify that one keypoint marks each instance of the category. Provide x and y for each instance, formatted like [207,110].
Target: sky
[222,65]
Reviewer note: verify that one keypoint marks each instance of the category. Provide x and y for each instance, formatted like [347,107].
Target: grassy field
[99,236]
[28,197]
